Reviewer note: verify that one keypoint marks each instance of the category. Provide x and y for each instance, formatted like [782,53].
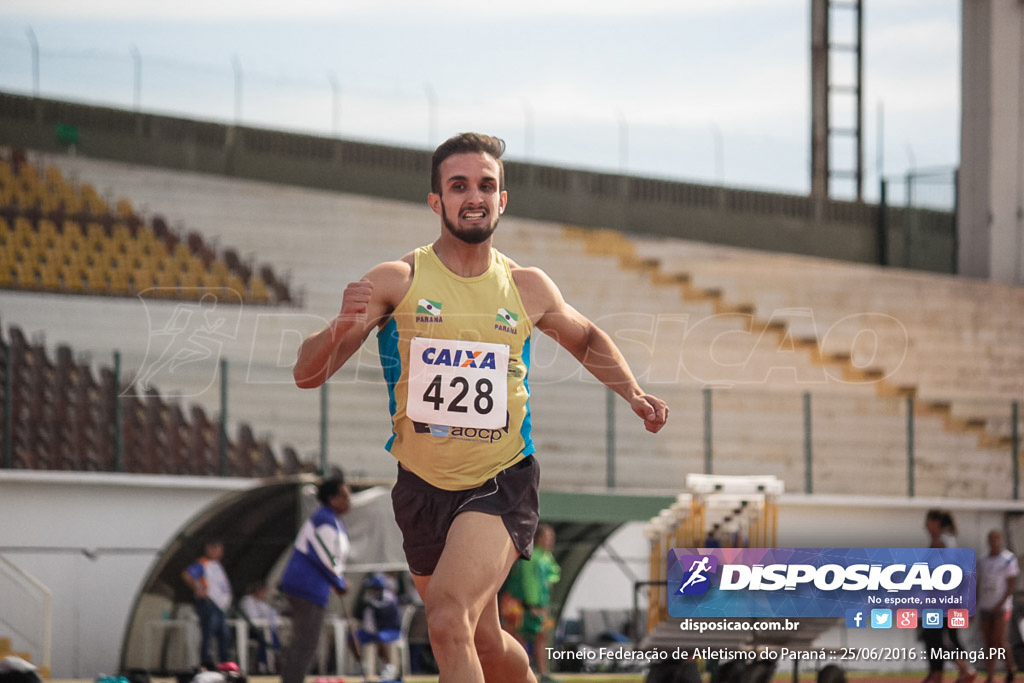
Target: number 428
[482,401]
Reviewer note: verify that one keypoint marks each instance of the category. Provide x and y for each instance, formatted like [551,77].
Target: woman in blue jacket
[313,570]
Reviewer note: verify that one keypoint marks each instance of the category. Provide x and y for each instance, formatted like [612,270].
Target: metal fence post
[1015,446]
[118,418]
[323,429]
[882,225]
[707,431]
[808,446]
[8,408]
[609,441]
[910,446]
[223,417]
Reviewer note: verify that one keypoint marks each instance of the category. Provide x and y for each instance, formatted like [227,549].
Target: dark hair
[464,143]
[944,518]
[329,488]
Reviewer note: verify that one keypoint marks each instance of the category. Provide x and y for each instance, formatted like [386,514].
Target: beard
[477,235]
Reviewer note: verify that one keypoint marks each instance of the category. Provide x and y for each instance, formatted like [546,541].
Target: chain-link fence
[917,220]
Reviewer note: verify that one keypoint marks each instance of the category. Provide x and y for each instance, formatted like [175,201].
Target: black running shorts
[425,513]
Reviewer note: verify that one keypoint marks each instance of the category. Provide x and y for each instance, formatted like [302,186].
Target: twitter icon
[881,618]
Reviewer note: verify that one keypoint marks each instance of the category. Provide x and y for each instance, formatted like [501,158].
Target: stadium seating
[63,237]
[764,341]
[65,420]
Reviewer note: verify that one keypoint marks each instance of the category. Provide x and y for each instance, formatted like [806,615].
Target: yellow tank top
[455,355]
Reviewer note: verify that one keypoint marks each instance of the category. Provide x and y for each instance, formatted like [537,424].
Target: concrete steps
[760,329]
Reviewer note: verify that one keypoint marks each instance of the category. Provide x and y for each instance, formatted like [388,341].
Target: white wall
[991,192]
[122,521]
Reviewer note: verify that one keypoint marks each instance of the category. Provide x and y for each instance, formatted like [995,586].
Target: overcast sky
[701,90]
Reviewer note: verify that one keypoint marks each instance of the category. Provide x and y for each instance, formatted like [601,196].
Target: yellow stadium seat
[49,276]
[220,269]
[95,233]
[145,235]
[119,282]
[73,204]
[258,290]
[49,240]
[28,170]
[234,287]
[39,255]
[121,232]
[124,208]
[24,275]
[72,277]
[96,279]
[50,201]
[26,197]
[166,279]
[213,280]
[94,203]
[157,250]
[23,226]
[141,279]
[73,246]
[47,228]
[53,177]
[73,229]
[181,252]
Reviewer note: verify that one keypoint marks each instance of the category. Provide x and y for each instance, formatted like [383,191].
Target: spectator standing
[997,579]
[942,534]
[529,584]
[212,590]
[314,569]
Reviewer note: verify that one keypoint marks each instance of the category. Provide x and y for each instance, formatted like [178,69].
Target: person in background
[942,534]
[212,590]
[538,575]
[314,569]
[380,625]
[255,608]
[997,579]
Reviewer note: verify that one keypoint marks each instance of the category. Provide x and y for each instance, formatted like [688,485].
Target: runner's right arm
[364,305]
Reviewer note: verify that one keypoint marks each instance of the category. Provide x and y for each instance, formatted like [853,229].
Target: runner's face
[470,202]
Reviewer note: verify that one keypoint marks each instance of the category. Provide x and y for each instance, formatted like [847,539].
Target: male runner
[454,321]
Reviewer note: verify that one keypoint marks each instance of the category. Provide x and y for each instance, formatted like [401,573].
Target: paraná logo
[428,307]
[507,318]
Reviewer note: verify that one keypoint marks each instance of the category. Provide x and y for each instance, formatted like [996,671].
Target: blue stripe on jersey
[527,425]
[391,363]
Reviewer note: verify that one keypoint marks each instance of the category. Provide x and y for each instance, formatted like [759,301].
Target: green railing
[818,441]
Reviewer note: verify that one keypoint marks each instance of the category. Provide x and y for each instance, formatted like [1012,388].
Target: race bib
[458,383]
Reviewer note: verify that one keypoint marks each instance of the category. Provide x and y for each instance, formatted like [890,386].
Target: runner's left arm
[589,344]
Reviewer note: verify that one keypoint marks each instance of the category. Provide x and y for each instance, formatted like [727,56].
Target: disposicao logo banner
[817,582]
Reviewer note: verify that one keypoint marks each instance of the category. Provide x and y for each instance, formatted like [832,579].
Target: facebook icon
[855,618]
